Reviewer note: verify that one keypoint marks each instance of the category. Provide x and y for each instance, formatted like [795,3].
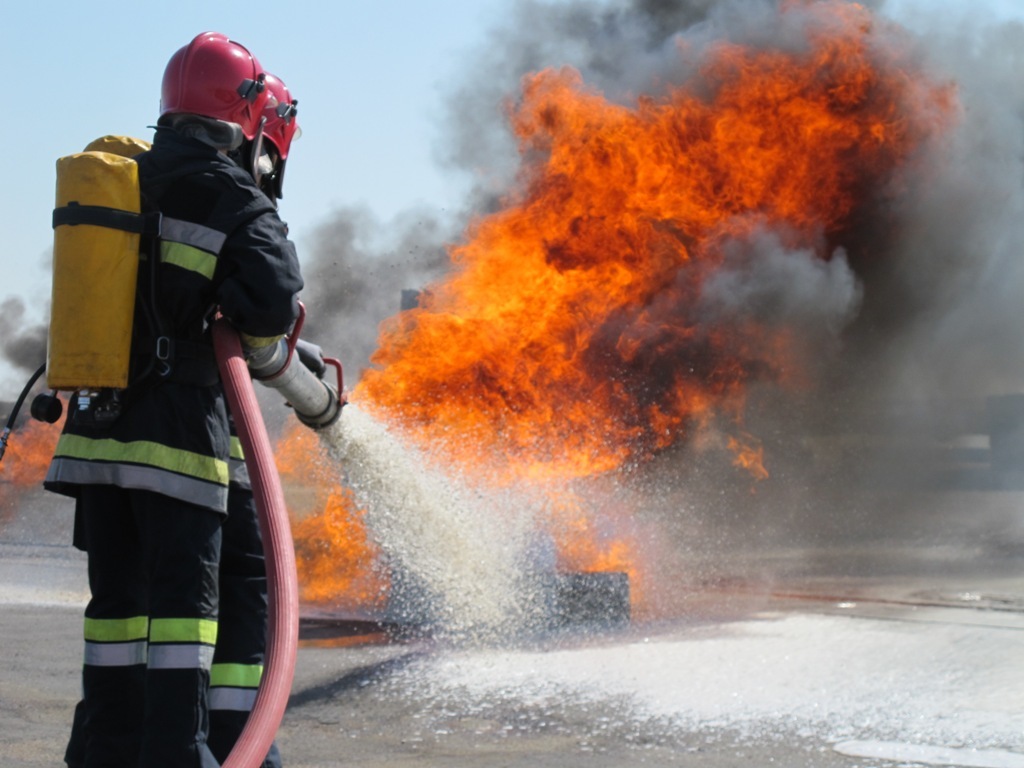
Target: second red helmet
[281,111]
[215,77]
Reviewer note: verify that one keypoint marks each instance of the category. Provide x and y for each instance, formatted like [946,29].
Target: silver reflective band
[115,654]
[235,699]
[193,490]
[185,656]
[196,235]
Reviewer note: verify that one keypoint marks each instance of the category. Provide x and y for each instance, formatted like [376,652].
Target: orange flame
[568,340]
[748,455]
[337,563]
[29,451]
[585,547]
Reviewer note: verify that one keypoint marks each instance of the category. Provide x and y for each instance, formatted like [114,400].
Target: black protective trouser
[150,629]
[242,637]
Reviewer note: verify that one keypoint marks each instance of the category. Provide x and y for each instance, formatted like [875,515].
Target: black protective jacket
[222,246]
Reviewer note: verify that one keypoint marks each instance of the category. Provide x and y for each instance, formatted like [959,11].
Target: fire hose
[316,405]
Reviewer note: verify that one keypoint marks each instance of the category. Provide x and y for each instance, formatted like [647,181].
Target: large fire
[568,339]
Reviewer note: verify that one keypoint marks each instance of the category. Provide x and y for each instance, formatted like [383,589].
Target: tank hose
[6,433]
[282,583]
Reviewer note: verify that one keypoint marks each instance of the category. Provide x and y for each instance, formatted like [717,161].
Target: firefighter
[241,641]
[269,154]
[149,466]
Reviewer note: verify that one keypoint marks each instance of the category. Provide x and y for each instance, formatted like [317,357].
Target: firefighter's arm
[259,281]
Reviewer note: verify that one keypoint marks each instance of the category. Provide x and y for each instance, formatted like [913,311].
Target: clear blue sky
[370,78]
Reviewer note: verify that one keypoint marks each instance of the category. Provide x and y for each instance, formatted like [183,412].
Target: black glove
[311,356]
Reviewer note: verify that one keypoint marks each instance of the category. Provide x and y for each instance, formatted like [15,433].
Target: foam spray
[456,553]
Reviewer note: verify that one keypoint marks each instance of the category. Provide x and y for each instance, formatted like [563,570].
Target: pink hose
[282,582]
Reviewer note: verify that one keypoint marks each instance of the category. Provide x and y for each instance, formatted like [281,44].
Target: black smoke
[357,273]
[22,343]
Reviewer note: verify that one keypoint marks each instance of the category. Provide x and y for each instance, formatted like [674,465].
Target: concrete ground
[870,652]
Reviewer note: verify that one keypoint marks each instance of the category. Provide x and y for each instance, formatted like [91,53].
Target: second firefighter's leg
[242,632]
[182,549]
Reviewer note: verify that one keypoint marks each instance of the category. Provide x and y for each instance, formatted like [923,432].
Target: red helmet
[215,77]
[281,112]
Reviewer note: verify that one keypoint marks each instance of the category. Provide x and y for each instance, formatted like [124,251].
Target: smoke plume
[23,345]
[356,275]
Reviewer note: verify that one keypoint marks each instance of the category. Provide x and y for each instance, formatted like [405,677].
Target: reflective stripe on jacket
[141,464]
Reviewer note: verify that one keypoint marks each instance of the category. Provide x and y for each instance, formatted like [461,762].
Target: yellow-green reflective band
[236,675]
[183,631]
[116,630]
[187,257]
[144,452]
[258,342]
[236,449]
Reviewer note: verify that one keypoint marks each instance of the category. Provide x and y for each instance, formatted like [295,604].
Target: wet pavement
[891,647]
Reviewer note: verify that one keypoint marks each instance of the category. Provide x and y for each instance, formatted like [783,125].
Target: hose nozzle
[316,403]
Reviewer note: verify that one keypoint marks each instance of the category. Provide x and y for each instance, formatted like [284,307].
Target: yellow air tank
[94,271]
[125,146]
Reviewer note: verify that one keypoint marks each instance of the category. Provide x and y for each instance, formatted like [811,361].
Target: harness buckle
[164,353]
